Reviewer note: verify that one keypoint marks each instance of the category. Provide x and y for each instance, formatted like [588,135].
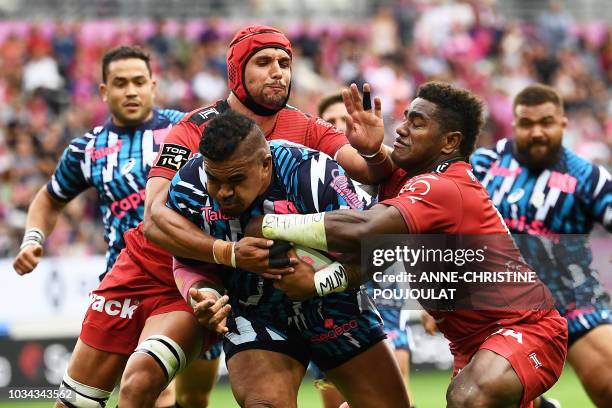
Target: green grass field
[428,388]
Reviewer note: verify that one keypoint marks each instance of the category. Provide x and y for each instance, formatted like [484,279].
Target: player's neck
[266,123]
[119,123]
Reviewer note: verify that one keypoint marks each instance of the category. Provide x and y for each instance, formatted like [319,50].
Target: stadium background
[50,54]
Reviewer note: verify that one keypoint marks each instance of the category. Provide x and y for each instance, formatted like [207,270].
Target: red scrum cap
[245,43]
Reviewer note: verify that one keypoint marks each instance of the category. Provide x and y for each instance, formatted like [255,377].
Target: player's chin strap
[73,394]
[303,229]
[166,352]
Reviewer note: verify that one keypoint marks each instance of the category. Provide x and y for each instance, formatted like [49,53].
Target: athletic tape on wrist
[224,252]
[33,236]
[331,279]
[193,302]
[303,229]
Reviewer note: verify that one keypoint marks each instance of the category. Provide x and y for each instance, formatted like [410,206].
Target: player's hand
[300,284]
[365,129]
[211,312]
[429,323]
[27,259]
[253,254]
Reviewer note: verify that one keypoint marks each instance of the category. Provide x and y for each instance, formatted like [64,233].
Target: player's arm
[201,286]
[366,159]
[40,222]
[169,229]
[173,231]
[177,227]
[66,183]
[600,197]
[340,230]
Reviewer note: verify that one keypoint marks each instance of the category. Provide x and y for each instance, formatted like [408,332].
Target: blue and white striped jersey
[304,181]
[115,161]
[567,198]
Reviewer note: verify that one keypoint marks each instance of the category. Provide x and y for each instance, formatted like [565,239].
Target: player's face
[236,183]
[129,91]
[419,140]
[267,76]
[538,131]
[335,114]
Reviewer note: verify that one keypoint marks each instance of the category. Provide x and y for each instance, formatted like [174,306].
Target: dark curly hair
[225,133]
[121,53]
[457,110]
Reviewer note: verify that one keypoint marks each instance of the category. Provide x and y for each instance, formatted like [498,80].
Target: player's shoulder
[292,112]
[281,147]
[81,141]
[576,165]
[204,114]
[192,168]
[171,115]
[494,152]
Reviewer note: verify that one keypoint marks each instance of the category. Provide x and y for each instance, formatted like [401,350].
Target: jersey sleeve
[599,196]
[173,116]
[69,179]
[429,204]
[315,182]
[326,137]
[187,194]
[180,144]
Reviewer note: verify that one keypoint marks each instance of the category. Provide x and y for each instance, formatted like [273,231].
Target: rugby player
[331,109]
[113,158]
[501,357]
[271,338]
[260,83]
[544,189]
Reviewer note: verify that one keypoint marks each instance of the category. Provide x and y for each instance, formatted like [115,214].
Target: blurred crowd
[49,75]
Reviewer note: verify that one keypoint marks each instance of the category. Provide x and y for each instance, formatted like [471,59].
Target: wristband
[33,236]
[224,252]
[331,279]
[193,303]
[371,156]
[304,229]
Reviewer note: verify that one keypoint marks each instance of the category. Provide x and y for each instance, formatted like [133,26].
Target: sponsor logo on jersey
[535,227]
[210,215]
[563,182]
[131,202]
[123,308]
[497,170]
[96,154]
[128,166]
[173,156]
[340,184]
[534,359]
[335,332]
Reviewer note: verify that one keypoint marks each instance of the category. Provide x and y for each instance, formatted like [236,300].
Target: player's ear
[153,87]
[451,141]
[103,89]
[267,162]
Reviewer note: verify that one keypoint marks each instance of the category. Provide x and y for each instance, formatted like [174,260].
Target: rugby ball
[315,258]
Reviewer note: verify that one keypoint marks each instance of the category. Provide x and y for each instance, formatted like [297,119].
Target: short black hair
[537,94]
[224,134]
[458,111]
[327,101]
[124,52]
